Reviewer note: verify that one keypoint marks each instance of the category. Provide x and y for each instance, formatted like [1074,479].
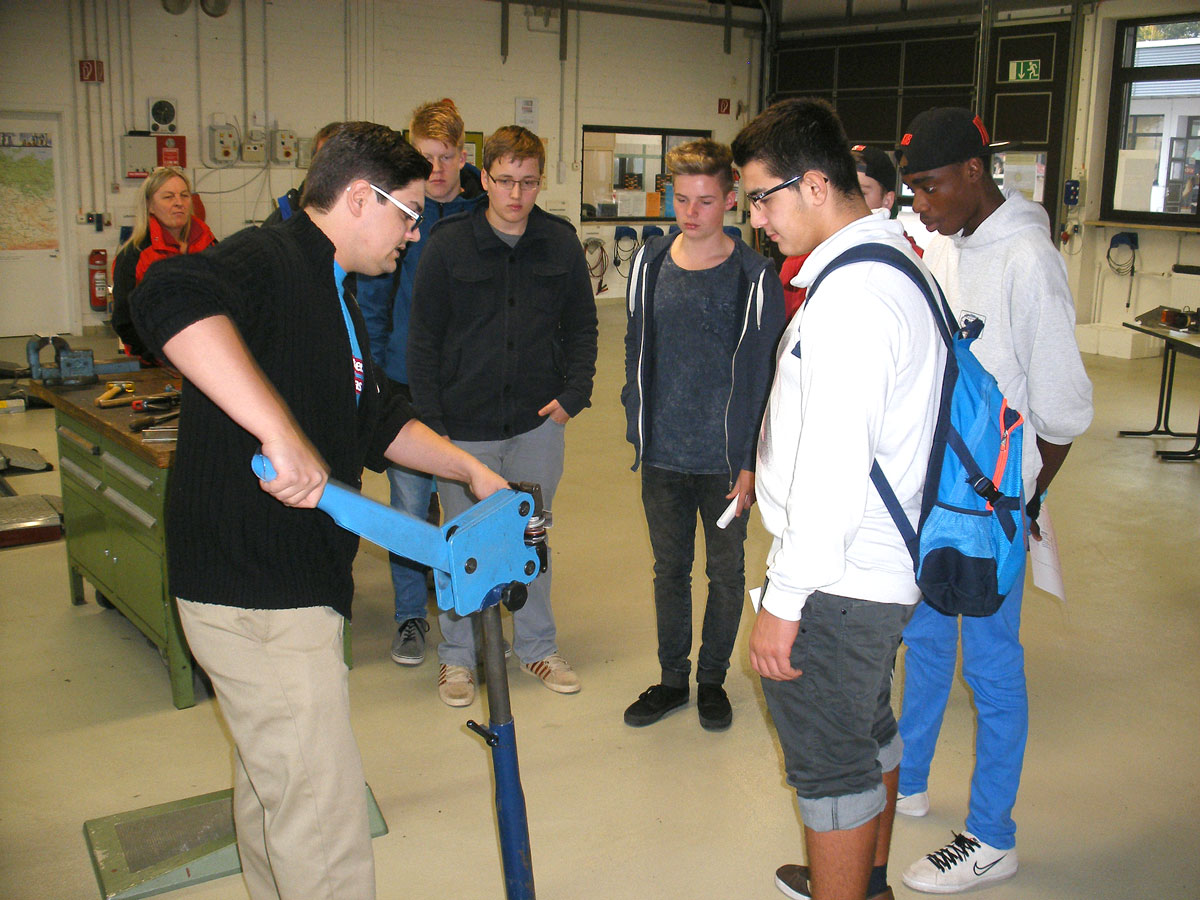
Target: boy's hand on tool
[300,472]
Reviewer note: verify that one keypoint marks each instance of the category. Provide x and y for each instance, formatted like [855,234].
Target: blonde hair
[154,181]
[703,157]
[437,120]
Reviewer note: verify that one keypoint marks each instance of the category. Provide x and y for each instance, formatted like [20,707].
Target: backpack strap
[943,316]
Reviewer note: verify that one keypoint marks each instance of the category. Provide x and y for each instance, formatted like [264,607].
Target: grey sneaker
[408,646]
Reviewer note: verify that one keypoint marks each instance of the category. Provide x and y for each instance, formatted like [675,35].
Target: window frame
[1124,75]
[666,136]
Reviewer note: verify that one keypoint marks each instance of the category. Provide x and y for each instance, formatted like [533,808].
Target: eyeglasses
[506,184]
[417,218]
[758,196]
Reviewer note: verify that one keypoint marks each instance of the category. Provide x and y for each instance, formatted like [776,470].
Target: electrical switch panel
[283,147]
[255,148]
[223,144]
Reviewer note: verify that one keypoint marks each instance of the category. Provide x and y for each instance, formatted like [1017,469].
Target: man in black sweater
[271,345]
[501,355]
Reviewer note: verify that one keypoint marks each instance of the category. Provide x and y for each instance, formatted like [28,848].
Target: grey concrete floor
[1111,785]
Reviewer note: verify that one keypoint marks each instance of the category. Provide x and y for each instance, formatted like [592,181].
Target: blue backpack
[968,549]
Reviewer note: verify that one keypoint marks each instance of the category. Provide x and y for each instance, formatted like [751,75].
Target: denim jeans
[835,721]
[994,667]
[410,493]
[672,500]
[535,456]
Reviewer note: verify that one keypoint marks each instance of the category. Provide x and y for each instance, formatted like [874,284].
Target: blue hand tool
[480,559]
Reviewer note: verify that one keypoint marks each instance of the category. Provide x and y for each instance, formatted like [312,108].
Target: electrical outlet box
[283,146]
[254,150]
[223,144]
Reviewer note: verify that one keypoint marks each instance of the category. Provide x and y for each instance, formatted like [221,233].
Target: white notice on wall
[525,113]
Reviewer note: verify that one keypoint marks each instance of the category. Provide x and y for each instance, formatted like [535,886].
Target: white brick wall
[325,61]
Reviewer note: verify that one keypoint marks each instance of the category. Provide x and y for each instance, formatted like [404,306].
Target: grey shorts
[835,721]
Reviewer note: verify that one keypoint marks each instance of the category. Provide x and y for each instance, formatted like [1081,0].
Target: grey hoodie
[1009,275]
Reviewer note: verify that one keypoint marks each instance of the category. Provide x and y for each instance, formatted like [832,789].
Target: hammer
[114,395]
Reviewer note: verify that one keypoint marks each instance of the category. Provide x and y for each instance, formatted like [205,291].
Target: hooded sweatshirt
[858,378]
[1008,274]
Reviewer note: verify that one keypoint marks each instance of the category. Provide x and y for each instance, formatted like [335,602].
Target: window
[624,176]
[1152,160]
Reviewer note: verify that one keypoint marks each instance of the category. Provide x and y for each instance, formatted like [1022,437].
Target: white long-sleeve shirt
[1008,274]
[858,379]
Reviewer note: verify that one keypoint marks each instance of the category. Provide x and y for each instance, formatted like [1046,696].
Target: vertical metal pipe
[728,27]
[985,48]
[511,814]
[562,31]
[503,31]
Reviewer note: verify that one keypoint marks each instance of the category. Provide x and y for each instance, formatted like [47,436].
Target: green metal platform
[161,848]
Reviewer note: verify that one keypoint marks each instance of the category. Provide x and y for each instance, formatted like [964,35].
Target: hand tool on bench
[140,423]
[114,395]
[480,559]
[167,400]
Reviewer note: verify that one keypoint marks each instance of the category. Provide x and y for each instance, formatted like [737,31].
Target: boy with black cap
[995,260]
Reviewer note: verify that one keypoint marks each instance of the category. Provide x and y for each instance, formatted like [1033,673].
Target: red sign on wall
[91,70]
[723,106]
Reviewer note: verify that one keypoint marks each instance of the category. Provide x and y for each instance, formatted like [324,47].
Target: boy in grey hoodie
[996,262]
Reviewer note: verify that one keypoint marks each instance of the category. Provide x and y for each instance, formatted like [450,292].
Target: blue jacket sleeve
[375,297]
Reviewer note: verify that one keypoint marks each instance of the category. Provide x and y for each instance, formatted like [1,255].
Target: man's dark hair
[362,150]
[792,137]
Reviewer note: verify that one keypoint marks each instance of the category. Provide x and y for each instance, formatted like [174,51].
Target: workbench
[1175,342]
[114,488]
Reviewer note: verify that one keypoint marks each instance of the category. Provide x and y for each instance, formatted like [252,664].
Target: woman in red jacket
[165,227]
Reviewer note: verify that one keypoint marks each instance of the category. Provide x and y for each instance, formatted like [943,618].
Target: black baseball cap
[876,164]
[944,136]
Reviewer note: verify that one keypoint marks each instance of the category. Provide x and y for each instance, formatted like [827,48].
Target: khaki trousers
[299,796]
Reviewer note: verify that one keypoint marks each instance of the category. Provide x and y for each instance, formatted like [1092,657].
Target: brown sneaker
[456,685]
[556,673]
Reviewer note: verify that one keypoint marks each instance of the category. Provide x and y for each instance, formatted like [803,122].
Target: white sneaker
[556,673]
[915,805]
[964,863]
[456,685]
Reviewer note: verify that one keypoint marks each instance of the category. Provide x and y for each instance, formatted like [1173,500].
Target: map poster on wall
[28,212]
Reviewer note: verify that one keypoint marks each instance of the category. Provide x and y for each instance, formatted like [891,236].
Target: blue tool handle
[337,501]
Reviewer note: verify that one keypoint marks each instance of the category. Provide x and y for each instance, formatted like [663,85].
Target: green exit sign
[1025,70]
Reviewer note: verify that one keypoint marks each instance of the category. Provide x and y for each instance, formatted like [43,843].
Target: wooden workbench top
[113,423]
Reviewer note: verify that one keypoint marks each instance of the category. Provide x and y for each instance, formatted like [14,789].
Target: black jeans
[672,500]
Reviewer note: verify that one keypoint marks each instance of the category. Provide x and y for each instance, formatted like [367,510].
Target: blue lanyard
[339,276]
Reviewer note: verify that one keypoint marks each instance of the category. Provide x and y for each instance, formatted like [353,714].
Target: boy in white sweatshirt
[857,380]
[995,260]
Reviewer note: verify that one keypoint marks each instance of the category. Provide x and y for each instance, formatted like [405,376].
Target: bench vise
[71,367]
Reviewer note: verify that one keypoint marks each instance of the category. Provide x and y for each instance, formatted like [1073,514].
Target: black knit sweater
[228,541]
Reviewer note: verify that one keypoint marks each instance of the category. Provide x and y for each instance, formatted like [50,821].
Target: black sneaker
[408,646]
[792,880]
[654,703]
[713,705]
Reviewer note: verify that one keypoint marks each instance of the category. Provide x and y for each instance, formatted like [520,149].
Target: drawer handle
[84,444]
[128,471]
[79,473]
[124,503]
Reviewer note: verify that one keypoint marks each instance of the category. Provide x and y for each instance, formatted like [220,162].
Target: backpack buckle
[984,487]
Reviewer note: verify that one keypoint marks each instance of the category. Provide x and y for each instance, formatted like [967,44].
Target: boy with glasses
[501,355]
[857,381]
[705,312]
[266,332]
[436,131]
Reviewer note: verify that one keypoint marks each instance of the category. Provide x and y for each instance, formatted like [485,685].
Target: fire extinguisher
[98,279]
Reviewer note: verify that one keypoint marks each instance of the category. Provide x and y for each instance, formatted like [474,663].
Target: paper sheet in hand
[1043,557]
